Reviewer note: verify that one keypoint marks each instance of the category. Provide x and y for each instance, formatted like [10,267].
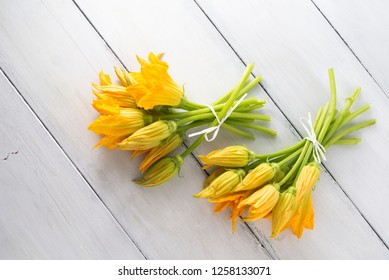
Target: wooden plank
[200,57]
[48,211]
[52,54]
[364,26]
[294,46]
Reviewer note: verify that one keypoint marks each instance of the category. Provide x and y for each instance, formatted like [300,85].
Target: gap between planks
[348,46]
[68,158]
[262,240]
[293,128]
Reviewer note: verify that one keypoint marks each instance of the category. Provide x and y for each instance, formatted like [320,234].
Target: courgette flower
[258,177]
[149,136]
[222,185]
[164,148]
[304,216]
[232,201]
[307,179]
[126,122]
[232,156]
[260,202]
[284,211]
[153,85]
[161,172]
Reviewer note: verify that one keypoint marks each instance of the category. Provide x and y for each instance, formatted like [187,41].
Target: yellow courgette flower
[104,78]
[216,173]
[258,177]
[119,93]
[136,153]
[232,156]
[284,211]
[108,106]
[260,202]
[222,185]
[307,179]
[153,85]
[125,123]
[164,148]
[149,136]
[304,216]
[110,142]
[230,200]
[161,172]
[125,77]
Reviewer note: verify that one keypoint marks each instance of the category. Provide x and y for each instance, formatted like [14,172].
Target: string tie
[215,129]
[318,149]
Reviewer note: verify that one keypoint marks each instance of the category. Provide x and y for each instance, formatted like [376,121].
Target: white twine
[215,129]
[318,149]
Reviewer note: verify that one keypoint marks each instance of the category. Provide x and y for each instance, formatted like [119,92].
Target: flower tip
[206,166]
[274,235]
[144,183]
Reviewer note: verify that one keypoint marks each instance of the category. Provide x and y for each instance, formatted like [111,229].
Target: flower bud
[164,148]
[161,172]
[304,216]
[260,202]
[222,185]
[307,179]
[284,211]
[259,176]
[232,156]
[125,123]
[216,173]
[149,136]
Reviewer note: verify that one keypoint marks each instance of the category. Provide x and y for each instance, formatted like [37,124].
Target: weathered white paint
[294,46]
[52,54]
[364,25]
[48,211]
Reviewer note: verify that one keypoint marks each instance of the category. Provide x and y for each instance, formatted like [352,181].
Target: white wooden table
[61,199]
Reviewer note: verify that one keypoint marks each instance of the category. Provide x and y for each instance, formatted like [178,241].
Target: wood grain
[197,51]
[52,54]
[53,50]
[364,26]
[295,49]
[48,211]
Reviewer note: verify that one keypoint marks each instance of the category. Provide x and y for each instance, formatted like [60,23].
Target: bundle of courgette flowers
[279,185]
[148,114]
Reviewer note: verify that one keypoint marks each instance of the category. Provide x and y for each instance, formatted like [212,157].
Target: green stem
[217,108]
[349,130]
[228,105]
[189,105]
[284,151]
[237,131]
[348,141]
[290,157]
[332,108]
[194,145]
[234,115]
[296,166]
[248,87]
[235,93]
[252,126]
[185,128]
[353,115]
[250,116]
[307,156]
[245,89]
[342,115]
